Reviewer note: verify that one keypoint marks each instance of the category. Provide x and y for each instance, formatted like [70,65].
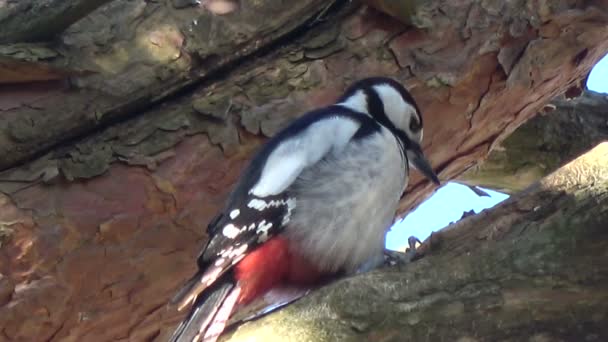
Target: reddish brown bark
[112,174]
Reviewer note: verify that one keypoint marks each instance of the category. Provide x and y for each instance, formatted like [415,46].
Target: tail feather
[186,290]
[203,279]
[204,310]
[220,319]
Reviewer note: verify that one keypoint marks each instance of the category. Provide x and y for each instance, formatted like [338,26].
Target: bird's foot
[393,258]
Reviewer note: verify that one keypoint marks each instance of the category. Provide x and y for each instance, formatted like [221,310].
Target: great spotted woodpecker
[316,200]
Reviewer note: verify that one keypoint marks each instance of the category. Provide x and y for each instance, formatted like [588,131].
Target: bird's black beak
[417,160]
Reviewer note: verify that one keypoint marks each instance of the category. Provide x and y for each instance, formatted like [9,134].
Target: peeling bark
[114,164]
[558,134]
[533,268]
[126,57]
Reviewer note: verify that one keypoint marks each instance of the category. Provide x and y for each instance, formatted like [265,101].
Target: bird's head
[389,103]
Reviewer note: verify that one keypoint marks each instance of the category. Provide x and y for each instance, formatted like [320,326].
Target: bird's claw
[393,258]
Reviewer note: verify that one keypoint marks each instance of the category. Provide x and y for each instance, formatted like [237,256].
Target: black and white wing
[261,204]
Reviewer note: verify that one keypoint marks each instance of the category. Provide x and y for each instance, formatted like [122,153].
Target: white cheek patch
[398,111]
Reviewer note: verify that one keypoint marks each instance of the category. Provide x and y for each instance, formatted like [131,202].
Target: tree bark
[126,57]
[502,66]
[35,20]
[142,115]
[558,134]
[534,268]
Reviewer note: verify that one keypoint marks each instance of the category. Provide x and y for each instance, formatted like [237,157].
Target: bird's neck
[357,102]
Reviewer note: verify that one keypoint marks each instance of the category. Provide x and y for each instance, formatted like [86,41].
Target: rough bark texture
[561,132]
[123,58]
[143,114]
[535,268]
[36,20]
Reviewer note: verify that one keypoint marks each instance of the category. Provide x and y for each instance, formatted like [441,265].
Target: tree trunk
[36,20]
[560,133]
[121,136]
[534,268]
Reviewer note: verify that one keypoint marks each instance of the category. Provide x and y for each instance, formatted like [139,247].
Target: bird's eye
[414,125]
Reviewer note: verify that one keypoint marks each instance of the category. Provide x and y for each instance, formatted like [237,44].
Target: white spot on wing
[240,250]
[260,205]
[257,204]
[264,226]
[234,214]
[230,231]
[226,252]
[291,205]
[263,230]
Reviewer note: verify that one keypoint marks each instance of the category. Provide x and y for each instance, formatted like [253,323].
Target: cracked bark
[27,21]
[151,52]
[560,132]
[532,268]
[121,137]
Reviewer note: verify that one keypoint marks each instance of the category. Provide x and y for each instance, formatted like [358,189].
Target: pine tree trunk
[122,131]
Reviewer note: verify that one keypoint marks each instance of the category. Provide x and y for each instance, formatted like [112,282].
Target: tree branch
[533,267]
[554,137]
[121,164]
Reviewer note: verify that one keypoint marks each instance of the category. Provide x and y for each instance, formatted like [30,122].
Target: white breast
[347,202]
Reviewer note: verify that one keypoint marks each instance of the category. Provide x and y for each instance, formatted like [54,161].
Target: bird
[316,200]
